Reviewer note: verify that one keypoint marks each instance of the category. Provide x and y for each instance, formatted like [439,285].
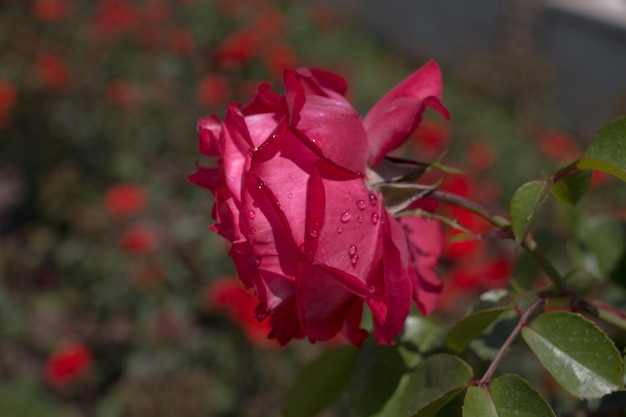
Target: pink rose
[308,231]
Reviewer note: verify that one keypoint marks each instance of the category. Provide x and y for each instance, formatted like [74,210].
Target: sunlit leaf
[576,352]
[470,327]
[319,383]
[508,395]
[435,378]
[525,206]
[607,150]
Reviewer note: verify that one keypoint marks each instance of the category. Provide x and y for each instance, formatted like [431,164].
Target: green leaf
[525,206]
[576,352]
[470,327]
[571,188]
[605,240]
[607,150]
[319,383]
[508,395]
[427,385]
[376,373]
[434,409]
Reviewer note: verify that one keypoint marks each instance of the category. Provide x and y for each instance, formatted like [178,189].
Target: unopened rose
[291,195]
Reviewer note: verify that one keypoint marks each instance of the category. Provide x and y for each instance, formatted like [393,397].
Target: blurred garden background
[115,299]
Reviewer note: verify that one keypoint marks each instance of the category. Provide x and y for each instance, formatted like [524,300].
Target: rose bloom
[295,193]
[67,363]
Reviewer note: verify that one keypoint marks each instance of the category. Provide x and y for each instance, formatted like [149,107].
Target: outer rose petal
[329,125]
[211,139]
[390,122]
[425,239]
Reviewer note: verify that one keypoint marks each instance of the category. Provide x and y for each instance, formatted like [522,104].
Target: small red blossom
[432,138]
[49,10]
[213,90]
[306,232]
[278,57]
[113,18]
[52,70]
[122,200]
[181,41]
[139,240]
[558,146]
[66,364]
[8,97]
[237,49]
[480,155]
[123,93]
[229,296]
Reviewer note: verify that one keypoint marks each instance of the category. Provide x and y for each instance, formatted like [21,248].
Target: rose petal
[390,122]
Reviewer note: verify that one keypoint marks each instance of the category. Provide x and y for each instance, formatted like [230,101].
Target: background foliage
[114,298]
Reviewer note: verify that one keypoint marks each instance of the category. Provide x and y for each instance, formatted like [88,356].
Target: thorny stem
[516,331]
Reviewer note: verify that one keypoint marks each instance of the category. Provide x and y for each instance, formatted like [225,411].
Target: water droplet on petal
[345,217]
[358,173]
[339,229]
[354,259]
[252,230]
[361,204]
[373,199]
[273,136]
[352,250]
[375,218]
[290,196]
[261,185]
[251,214]
[372,289]
[314,234]
[258,260]
[359,219]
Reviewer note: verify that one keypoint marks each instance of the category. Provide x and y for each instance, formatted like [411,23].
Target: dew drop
[375,218]
[352,250]
[345,217]
[273,136]
[258,260]
[314,234]
[261,185]
[251,214]
[361,204]
[359,219]
[339,229]
[372,289]
[359,173]
[252,230]
[373,199]
[290,196]
[354,259]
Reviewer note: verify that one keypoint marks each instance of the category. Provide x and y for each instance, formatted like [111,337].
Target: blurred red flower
[213,90]
[278,57]
[8,97]
[432,138]
[139,240]
[181,41]
[124,199]
[52,70]
[113,18]
[237,48]
[49,10]
[66,364]
[558,146]
[229,296]
[122,93]
[480,155]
